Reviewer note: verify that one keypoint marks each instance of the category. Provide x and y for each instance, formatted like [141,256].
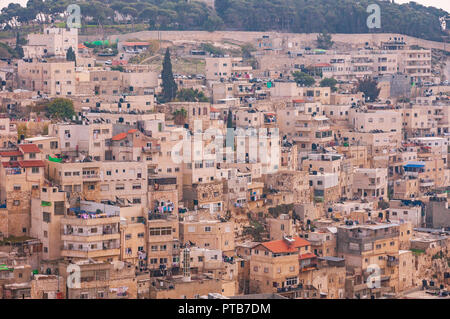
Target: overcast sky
[443,4]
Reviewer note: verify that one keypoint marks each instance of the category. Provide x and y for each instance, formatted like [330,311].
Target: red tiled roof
[37,163]
[10,164]
[307,256]
[29,148]
[281,246]
[119,137]
[10,153]
[132,131]
[213,109]
[298,101]
[119,62]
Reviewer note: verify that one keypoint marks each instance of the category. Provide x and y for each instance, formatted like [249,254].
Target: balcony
[426,183]
[392,261]
[151,149]
[91,177]
[90,253]
[13,171]
[91,238]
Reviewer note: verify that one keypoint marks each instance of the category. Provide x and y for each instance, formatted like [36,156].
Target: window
[46,217]
[291,281]
[35,170]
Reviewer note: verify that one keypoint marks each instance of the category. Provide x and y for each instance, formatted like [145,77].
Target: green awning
[55,159]
[45,204]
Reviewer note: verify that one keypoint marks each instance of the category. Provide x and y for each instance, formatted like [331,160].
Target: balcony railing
[91,176]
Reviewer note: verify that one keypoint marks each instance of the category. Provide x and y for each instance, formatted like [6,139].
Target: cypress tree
[168,83]
[18,48]
[70,55]
[230,120]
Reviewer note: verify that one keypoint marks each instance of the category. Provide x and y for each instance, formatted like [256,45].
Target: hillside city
[224,165]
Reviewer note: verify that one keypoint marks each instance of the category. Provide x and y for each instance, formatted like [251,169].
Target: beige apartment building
[8,131]
[130,103]
[291,90]
[163,243]
[21,176]
[114,181]
[275,265]
[91,231]
[54,77]
[306,125]
[133,236]
[210,234]
[47,210]
[387,121]
[205,195]
[76,139]
[225,68]
[180,287]
[280,227]
[416,64]
[364,246]
[48,145]
[52,42]
[370,183]
[101,280]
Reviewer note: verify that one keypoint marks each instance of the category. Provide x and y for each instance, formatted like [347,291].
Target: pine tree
[168,83]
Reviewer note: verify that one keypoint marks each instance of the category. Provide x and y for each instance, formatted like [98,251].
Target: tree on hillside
[132,13]
[191,95]
[168,83]
[213,23]
[324,41]
[60,108]
[329,82]
[370,89]
[303,79]
[247,49]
